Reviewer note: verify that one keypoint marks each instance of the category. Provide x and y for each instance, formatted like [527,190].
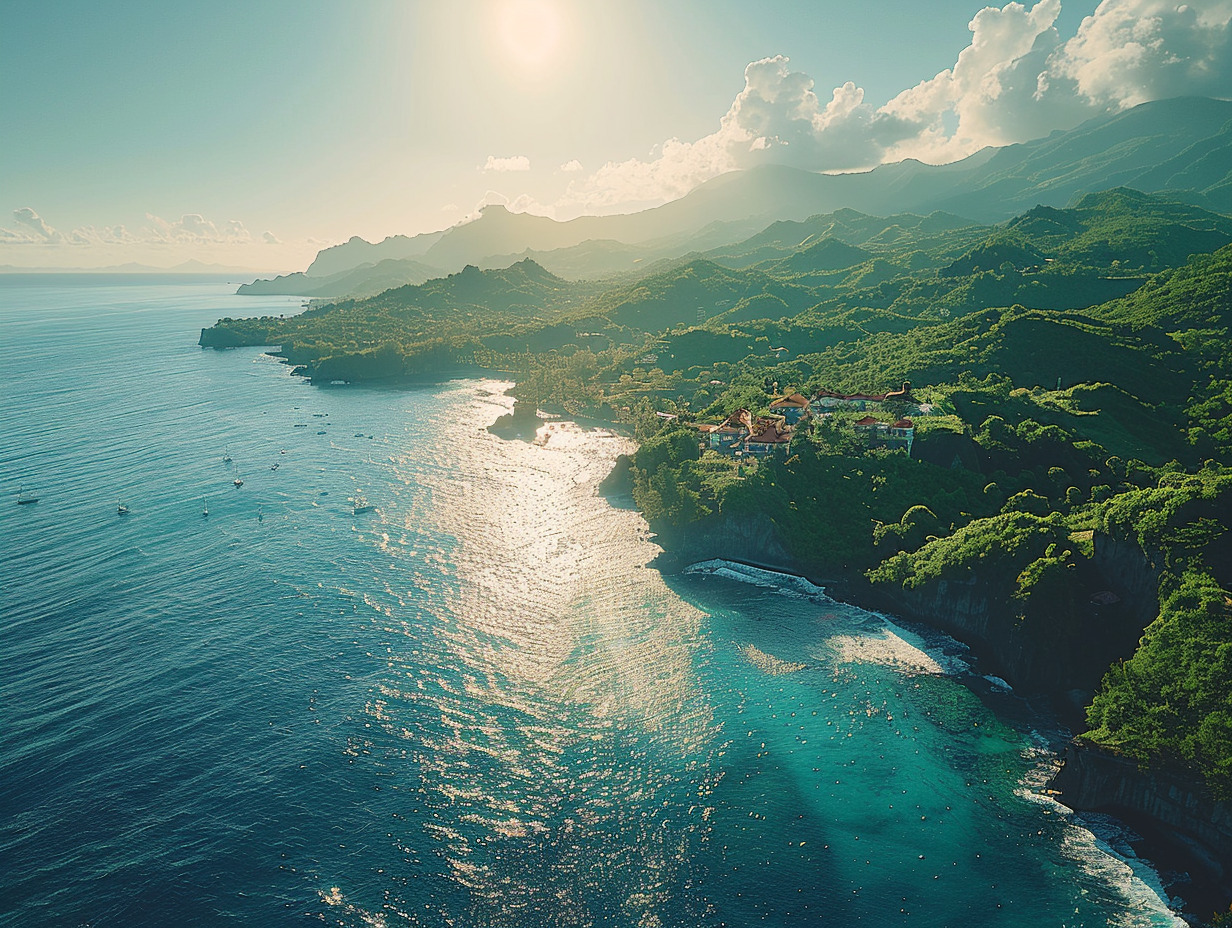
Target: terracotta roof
[903,424]
[768,432]
[740,419]
[867,420]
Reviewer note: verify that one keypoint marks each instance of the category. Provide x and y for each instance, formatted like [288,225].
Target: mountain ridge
[1182,147]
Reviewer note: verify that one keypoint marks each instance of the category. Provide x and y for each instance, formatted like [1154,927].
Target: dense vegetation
[1078,379]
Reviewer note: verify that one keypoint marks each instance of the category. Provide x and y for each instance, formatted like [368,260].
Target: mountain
[847,227]
[1182,147]
[365,280]
[1118,230]
[1197,296]
[357,252]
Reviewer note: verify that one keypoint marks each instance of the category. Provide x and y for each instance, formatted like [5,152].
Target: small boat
[205,508]
[322,432]
[362,505]
[24,499]
[226,456]
[122,509]
[260,515]
[238,482]
[274,466]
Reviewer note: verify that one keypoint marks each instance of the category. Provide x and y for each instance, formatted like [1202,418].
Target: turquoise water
[473,706]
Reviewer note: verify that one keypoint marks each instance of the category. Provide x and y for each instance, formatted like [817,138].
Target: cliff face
[751,540]
[1095,780]
[1058,641]
[1130,572]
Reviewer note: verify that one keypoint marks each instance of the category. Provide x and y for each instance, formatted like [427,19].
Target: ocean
[476,704]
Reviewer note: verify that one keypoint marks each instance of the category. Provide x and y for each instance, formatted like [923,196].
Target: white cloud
[1132,51]
[515,163]
[270,238]
[195,229]
[571,167]
[189,229]
[1017,80]
[32,220]
[992,95]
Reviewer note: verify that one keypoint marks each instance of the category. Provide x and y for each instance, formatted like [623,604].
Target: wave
[786,583]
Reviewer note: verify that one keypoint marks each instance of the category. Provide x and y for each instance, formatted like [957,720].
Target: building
[791,407]
[729,434]
[769,435]
[899,435]
[825,399]
[740,433]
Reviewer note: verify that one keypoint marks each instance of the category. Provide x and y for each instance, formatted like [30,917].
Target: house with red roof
[769,435]
[729,434]
[894,435]
[791,407]
[739,432]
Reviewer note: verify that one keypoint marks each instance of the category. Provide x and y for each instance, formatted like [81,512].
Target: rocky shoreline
[1186,832]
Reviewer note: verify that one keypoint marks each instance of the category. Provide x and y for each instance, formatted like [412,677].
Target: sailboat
[226,456]
[23,499]
[205,508]
[121,509]
[362,505]
[237,481]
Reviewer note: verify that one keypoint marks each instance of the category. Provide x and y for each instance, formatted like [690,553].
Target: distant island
[1019,431]
[184,267]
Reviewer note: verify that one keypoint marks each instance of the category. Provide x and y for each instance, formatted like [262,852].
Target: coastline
[757,548]
[1136,841]
[1183,865]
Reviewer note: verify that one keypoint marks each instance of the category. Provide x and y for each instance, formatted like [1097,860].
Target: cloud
[995,92]
[1132,51]
[516,163]
[571,167]
[32,220]
[776,118]
[1017,80]
[270,238]
[189,229]
[195,229]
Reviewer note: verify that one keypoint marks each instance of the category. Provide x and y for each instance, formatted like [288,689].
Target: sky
[254,133]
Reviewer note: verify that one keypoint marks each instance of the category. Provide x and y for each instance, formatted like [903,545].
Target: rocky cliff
[1059,643]
[1176,806]
[748,539]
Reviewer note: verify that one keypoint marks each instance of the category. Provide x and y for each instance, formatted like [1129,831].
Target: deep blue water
[473,706]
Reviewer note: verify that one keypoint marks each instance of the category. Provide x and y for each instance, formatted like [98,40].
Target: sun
[529,33]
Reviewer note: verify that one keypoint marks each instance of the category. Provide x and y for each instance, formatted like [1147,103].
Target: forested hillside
[1071,395]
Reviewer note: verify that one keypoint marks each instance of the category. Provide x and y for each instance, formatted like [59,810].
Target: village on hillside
[742,433]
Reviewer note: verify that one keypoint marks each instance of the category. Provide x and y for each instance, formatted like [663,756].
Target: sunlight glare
[530,32]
